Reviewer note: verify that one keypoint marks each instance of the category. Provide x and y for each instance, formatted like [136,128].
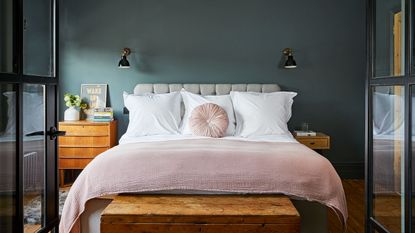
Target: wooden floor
[355,201]
[387,209]
[29,228]
[355,193]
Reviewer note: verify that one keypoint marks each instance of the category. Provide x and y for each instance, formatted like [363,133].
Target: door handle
[53,133]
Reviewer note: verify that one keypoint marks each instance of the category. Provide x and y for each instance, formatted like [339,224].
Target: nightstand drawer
[99,141]
[84,140]
[86,152]
[85,130]
[73,163]
[315,143]
[320,141]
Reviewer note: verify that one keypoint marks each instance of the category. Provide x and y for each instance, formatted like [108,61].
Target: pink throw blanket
[206,165]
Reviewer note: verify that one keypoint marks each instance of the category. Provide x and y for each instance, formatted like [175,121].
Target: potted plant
[72,102]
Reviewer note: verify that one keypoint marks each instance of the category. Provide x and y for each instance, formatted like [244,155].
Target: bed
[177,164]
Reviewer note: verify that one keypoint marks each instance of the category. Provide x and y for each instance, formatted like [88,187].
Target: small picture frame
[95,95]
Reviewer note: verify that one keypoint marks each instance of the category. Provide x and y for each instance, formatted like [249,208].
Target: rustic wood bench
[200,213]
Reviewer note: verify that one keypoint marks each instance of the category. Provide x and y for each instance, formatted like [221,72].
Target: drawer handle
[312,143]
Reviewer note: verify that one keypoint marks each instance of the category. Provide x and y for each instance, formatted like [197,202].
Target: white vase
[71,114]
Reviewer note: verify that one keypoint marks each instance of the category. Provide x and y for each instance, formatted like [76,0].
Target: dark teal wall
[228,41]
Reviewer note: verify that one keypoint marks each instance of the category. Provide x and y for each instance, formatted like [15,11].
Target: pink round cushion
[209,120]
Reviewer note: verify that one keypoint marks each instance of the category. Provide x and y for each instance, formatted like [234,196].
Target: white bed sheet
[157,138]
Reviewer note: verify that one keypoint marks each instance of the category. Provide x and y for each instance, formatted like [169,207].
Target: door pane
[33,156]
[7,157]
[6,38]
[388,156]
[389,38]
[38,51]
[413,155]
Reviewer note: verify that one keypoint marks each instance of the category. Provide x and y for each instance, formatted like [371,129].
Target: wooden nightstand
[319,142]
[83,141]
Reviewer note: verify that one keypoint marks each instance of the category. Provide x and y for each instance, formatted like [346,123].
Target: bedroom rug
[32,215]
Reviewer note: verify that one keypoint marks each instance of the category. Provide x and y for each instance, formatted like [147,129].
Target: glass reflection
[6,38]
[7,157]
[388,160]
[389,38]
[413,155]
[38,51]
[33,157]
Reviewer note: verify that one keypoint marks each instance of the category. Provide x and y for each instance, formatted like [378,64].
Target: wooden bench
[200,213]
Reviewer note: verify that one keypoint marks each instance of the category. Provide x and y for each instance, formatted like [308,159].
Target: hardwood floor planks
[355,193]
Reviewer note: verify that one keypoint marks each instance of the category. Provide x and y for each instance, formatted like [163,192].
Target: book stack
[101,115]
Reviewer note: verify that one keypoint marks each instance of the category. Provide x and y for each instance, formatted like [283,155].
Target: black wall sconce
[124,63]
[290,62]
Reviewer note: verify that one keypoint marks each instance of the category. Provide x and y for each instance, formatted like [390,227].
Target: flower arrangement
[74,101]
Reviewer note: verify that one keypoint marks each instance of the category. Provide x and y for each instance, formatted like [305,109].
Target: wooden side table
[319,142]
[84,140]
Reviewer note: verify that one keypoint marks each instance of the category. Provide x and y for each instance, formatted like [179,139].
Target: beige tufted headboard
[205,89]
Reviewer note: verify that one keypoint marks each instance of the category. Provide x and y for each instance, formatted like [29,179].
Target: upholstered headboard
[205,89]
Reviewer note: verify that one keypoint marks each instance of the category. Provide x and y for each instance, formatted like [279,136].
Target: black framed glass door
[6,38]
[28,115]
[389,116]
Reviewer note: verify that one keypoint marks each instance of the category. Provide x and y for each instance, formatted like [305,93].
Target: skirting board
[350,170]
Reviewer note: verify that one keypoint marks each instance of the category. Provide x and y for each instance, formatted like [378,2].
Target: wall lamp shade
[124,63]
[290,63]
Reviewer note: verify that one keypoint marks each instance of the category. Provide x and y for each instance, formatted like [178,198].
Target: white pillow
[191,101]
[153,114]
[262,113]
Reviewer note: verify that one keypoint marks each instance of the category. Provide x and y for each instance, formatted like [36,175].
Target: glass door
[38,46]
[8,156]
[388,122]
[34,157]
[6,38]
[28,116]
[388,157]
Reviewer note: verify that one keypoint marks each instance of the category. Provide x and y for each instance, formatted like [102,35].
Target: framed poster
[95,95]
